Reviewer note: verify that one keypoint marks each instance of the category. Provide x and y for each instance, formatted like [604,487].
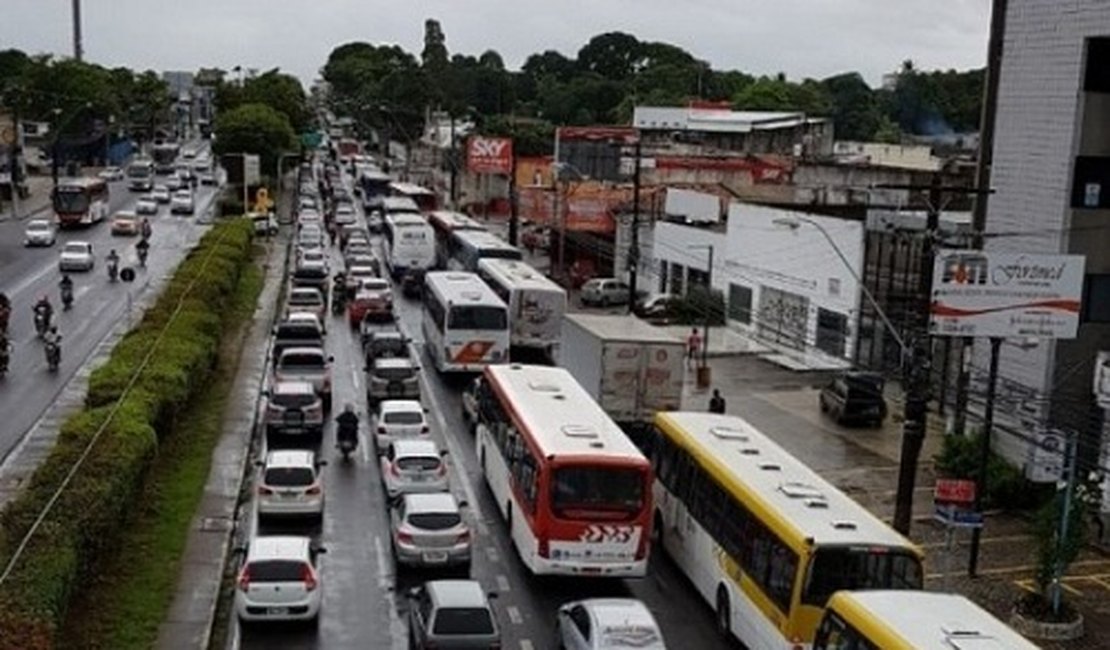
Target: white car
[290,485]
[76,256]
[111,174]
[607,623]
[146,205]
[344,214]
[604,292]
[207,177]
[397,419]
[160,193]
[182,202]
[413,467]
[279,580]
[39,232]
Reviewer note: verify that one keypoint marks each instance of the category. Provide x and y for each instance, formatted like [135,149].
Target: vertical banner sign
[489,155]
[978,293]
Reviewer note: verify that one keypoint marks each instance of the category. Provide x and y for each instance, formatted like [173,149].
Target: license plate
[438,557]
[419,479]
[290,495]
[277,611]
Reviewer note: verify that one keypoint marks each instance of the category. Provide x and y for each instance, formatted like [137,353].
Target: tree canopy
[254,128]
[281,92]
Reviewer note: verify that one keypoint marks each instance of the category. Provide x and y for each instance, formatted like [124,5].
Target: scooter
[67,298]
[347,447]
[53,354]
[113,271]
[41,322]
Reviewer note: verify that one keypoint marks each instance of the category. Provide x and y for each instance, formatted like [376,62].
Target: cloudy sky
[813,38]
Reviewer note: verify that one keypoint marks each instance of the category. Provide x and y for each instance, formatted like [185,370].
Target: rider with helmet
[347,431]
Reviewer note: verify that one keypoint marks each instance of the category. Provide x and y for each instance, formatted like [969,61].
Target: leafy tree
[613,55]
[549,64]
[530,137]
[855,111]
[887,131]
[764,94]
[257,129]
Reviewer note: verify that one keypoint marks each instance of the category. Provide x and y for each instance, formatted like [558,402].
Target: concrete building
[881,154]
[1052,195]
[705,127]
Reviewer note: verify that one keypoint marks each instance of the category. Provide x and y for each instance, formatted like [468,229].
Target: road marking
[492,554]
[503,583]
[514,615]
[384,579]
[364,442]
[1001,539]
[526,644]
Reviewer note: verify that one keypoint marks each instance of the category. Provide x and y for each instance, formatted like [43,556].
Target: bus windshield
[70,200]
[597,492]
[856,568]
[477,318]
[139,171]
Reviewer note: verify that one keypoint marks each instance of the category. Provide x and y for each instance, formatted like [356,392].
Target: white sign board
[252,174]
[977,293]
[692,206]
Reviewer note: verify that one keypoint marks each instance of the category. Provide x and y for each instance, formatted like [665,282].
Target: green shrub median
[180,334]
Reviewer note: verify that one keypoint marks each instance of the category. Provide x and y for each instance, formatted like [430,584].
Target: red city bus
[445,222]
[575,492]
[80,201]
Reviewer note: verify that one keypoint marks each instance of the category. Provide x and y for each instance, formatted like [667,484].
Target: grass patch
[123,605]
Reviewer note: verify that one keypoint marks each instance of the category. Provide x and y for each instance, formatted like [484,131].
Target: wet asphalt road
[29,273]
[363,599]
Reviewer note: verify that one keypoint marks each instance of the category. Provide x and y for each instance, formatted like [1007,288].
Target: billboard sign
[977,293]
[252,169]
[489,155]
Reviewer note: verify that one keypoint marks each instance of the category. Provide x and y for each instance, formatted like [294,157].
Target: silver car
[76,256]
[604,292]
[39,232]
[413,467]
[392,379]
[311,365]
[428,531]
[452,615]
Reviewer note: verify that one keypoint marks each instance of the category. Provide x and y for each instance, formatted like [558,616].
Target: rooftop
[681,118]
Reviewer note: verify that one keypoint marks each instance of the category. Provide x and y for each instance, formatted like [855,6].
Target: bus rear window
[477,318]
[853,569]
[597,492]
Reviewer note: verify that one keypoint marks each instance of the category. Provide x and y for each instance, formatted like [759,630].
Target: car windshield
[80,249]
[597,492]
[293,400]
[394,373]
[413,463]
[38,226]
[477,318]
[375,285]
[460,621]
[302,361]
[70,200]
[434,520]
[403,417]
[276,571]
[289,476]
[298,332]
[310,298]
[139,171]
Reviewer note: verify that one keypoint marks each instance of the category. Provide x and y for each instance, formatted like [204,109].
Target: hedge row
[86,518]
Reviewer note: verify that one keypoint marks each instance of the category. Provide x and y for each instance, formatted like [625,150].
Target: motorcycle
[113,271]
[42,322]
[338,300]
[5,358]
[347,447]
[67,297]
[142,251]
[53,354]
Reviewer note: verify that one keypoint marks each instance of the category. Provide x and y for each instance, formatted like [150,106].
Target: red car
[373,300]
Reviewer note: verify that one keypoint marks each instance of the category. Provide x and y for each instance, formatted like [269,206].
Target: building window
[740,303]
[697,277]
[677,273]
[663,277]
[834,286]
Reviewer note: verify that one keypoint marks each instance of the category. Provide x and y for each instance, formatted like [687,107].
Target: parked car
[76,256]
[293,410]
[399,419]
[299,329]
[207,177]
[160,193]
[146,205]
[373,301]
[309,300]
[265,224]
[306,364]
[392,379]
[604,292]
[289,485]
[428,531]
[607,623]
[39,232]
[125,223]
[855,398]
[450,615]
[660,309]
[413,466]
[383,344]
[182,202]
[279,581]
[111,174]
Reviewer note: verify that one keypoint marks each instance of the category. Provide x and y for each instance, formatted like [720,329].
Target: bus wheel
[724,623]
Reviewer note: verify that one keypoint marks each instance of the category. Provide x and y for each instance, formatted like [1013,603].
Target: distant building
[704,129]
[880,154]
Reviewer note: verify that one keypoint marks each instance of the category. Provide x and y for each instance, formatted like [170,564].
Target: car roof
[75,242]
[291,458]
[456,593]
[300,318]
[279,547]
[394,362]
[303,350]
[399,405]
[431,502]
[608,612]
[312,290]
[405,447]
[293,388]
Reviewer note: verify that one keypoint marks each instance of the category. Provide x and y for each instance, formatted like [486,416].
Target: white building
[780,271]
[880,154]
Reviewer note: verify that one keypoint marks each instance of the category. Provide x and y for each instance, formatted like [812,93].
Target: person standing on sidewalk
[717,403]
[693,344]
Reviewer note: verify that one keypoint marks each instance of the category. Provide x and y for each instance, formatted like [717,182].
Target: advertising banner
[489,155]
[1025,295]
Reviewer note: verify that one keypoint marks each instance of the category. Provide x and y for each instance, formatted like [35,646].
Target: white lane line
[503,583]
[233,642]
[384,578]
[514,615]
[526,644]
[364,443]
[492,554]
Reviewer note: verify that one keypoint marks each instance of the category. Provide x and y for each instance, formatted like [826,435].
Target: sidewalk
[37,202]
[188,622]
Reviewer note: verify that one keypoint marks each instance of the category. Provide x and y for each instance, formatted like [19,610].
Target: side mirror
[464,504]
[413,593]
[330,358]
[259,463]
[321,463]
[443,452]
[319,550]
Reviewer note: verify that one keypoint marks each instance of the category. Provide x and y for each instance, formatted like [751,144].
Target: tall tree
[855,111]
[257,129]
[613,55]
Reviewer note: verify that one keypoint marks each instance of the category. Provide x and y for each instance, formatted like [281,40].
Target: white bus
[409,244]
[763,538]
[470,246]
[536,303]
[574,491]
[420,195]
[140,175]
[466,326]
[399,205]
[444,223]
[912,620]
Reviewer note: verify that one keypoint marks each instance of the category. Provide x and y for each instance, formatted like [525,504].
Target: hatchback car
[399,419]
[392,379]
[356,275]
[412,467]
[451,615]
[358,247]
[125,223]
[607,623]
[182,202]
[309,300]
[604,292]
[383,344]
[428,531]
[373,301]
[289,485]
[310,239]
[160,193]
[660,309]
[146,205]
[278,580]
[293,409]
[174,182]
[344,214]
[39,232]
[306,364]
[311,272]
[76,256]
[855,398]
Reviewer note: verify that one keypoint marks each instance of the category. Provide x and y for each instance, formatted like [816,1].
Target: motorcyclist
[113,264]
[142,248]
[52,343]
[347,431]
[146,230]
[44,310]
[339,288]
[5,352]
[66,288]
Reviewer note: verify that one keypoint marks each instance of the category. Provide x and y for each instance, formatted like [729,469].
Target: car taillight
[381,430]
[463,538]
[314,490]
[308,576]
[262,489]
[442,469]
[394,469]
[543,548]
[424,429]
[245,579]
[327,382]
[404,538]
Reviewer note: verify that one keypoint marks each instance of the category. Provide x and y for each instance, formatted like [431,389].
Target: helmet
[348,408]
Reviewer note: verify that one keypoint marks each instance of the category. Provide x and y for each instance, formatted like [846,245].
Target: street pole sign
[953,503]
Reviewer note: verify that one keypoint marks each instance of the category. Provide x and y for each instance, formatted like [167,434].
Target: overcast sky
[804,38]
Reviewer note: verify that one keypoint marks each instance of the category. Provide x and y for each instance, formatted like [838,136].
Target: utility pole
[514,216]
[634,239]
[984,454]
[454,163]
[78,49]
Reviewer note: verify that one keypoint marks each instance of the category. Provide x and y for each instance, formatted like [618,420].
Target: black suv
[855,398]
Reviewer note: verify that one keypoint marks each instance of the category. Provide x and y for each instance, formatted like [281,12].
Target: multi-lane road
[29,273]
[364,603]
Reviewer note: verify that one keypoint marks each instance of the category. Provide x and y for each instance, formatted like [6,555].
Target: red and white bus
[80,201]
[574,491]
[445,222]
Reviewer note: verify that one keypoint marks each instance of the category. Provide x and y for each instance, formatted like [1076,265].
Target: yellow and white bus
[762,537]
[912,620]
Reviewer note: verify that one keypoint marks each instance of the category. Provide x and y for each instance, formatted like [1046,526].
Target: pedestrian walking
[693,344]
[717,403]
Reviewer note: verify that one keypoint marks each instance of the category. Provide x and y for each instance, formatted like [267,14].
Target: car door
[574,627]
